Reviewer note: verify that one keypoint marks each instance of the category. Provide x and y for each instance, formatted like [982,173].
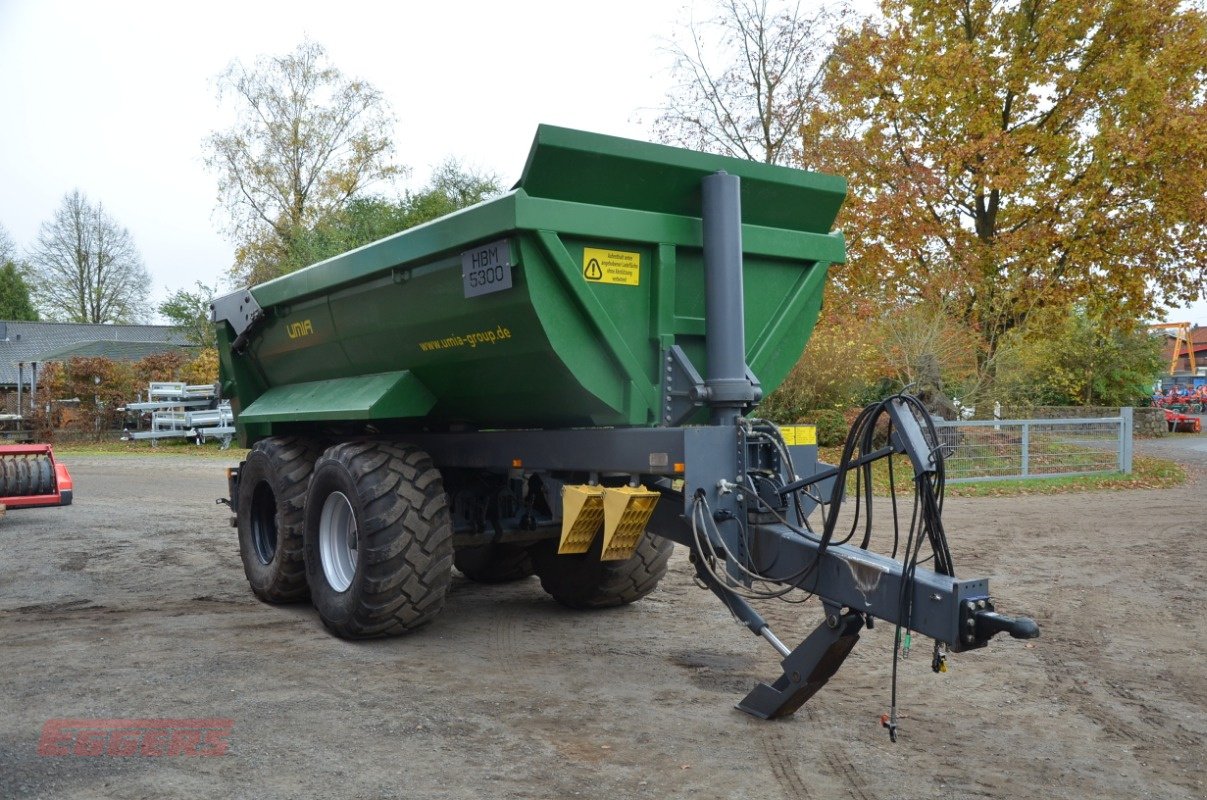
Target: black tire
[494,563]
[583,581]
[45,476]
[400,529]
[272,496]
[23,476]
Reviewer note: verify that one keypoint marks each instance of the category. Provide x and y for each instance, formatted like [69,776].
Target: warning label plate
[611,266]
[799,434]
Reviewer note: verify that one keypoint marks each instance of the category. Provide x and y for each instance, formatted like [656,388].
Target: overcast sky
[115,97]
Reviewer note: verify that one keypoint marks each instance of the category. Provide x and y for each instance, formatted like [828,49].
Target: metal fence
[982,450]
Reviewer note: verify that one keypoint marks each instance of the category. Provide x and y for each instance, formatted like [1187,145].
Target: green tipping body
[604,238]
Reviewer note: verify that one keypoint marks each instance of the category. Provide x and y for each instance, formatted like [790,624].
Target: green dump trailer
[560,382]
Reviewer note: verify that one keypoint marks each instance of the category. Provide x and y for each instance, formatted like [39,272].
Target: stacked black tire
[26,475]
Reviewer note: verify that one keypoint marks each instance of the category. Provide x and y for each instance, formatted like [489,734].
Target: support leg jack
[806,669]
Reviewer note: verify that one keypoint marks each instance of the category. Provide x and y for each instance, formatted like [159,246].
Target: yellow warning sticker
[611,266]
[799,434]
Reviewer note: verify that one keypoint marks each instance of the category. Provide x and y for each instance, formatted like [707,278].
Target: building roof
[25,342]
[1198,338]
[112,349]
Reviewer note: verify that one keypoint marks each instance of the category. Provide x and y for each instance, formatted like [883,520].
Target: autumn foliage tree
[95,388]
[202,369]
[1011,155]
[833,372]
[1025,176]
[307,139]
[1063,357]
[926,350]
[367,219]
[101,386]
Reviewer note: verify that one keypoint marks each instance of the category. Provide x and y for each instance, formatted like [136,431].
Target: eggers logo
[135,737]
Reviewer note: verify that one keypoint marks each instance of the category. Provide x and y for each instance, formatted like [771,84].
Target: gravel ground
[132,604]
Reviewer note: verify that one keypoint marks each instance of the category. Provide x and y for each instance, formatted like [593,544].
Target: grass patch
[165,447]
[992,456]
[1147,473]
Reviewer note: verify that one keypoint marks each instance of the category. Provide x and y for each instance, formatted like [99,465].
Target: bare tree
[8,250]
[747,79]
[84,266]
[305,142]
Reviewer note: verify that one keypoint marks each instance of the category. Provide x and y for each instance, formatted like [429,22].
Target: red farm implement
[31,478]
[1182,423]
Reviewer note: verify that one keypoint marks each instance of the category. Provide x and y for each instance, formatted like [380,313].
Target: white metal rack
[184,411]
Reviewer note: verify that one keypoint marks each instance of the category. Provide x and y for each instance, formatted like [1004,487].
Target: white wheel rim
[337,541]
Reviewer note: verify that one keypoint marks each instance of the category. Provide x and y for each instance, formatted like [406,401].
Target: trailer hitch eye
[990,623]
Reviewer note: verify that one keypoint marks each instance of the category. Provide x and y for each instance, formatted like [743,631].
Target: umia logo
[297,330]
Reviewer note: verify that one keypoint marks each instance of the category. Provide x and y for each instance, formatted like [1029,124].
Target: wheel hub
[337,541]
[264,523]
